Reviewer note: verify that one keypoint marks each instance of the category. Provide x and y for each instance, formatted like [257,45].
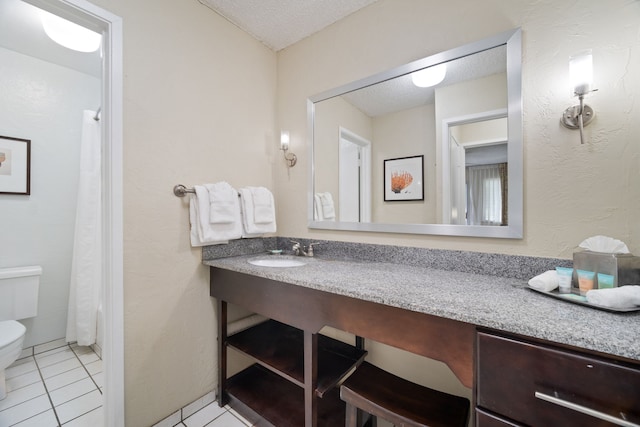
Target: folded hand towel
[627,296]
[193,234]
[546,281]
[208,232]
[223,200]
[317,208]
[326,204]
[251,228]
[263,207]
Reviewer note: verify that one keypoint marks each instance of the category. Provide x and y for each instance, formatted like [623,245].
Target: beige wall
[199,106]
[332,114]
[405,133]
[570,191]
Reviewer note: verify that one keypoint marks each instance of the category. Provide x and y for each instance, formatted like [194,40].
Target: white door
[355,178]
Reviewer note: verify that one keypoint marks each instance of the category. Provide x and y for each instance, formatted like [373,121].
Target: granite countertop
[500,303]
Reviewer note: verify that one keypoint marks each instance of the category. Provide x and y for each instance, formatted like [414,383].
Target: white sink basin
[276,262]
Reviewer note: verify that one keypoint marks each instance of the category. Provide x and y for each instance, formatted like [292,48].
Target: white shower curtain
[86,264]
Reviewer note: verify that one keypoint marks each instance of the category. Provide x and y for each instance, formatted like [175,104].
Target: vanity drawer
[530,383]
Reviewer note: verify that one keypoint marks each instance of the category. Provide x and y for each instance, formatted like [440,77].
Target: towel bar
[181,191]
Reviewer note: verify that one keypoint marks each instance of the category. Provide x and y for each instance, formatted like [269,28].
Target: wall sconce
[581,76]
[284,146]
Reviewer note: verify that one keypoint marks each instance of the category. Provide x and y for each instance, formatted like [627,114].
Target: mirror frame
[514,230]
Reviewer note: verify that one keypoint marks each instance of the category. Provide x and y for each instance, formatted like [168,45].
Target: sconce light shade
[284,146]
[431,76]
[581,72]
[581,77]
[284,140]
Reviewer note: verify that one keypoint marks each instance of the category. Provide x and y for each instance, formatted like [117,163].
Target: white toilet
[18,300]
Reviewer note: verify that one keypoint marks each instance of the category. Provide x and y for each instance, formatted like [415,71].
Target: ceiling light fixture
[69,34]
[428,77]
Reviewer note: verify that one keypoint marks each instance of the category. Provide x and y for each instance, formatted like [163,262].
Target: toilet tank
[19,292]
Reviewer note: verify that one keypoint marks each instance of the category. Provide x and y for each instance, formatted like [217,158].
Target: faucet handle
[297,247]
[310,250]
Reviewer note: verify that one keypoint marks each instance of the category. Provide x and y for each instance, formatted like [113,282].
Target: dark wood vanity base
[293,380]
[308,311]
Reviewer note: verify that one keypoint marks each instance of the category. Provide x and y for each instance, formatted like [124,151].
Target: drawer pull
[585,410]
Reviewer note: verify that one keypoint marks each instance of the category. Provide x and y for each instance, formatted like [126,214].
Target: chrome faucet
[299,249]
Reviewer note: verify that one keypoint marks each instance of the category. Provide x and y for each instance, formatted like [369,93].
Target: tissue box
[625,268]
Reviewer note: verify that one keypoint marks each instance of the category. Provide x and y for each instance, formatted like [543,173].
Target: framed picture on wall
[403,179]
[15,165]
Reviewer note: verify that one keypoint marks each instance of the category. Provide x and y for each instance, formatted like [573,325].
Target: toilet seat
[10,331]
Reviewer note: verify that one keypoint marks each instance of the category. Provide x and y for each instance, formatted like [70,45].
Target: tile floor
[204,412]
[52,385]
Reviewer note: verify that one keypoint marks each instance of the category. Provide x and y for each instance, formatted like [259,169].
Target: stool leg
[351,418]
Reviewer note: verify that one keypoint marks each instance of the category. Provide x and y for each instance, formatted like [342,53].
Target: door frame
[365,171]
[110,26]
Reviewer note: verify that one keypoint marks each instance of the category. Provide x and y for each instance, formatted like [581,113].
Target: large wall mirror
[430,147]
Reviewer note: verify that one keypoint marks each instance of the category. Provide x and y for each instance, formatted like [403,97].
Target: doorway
[354,177]
[110,26]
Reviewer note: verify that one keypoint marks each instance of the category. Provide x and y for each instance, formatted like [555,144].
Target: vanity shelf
[265,398]
[280,348]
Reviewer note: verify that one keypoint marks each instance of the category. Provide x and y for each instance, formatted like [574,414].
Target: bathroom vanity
[524,354]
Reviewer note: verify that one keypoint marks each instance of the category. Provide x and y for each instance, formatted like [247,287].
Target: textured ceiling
[280,23]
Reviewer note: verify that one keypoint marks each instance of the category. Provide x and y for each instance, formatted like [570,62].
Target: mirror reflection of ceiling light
[69,34]
[428,77]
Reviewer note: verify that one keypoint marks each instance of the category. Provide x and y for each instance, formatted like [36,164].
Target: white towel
[251,228]
[223,199]
[193,220]
[208,232]
[326,206]
[317,208]
[546,281]
[263,206]
[627,296]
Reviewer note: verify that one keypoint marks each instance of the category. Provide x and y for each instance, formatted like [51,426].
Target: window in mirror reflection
[479,180]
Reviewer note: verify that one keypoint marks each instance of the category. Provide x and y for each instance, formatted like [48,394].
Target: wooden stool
[399,401]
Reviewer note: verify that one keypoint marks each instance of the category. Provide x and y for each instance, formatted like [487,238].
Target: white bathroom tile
[87,358]
[54,356]
[204,416]
[80,406]
[20,367]
[94,418]
[238,416]
[94,367]
[49,346]
[227,420]
[60,367]
[66,378]
[27,352]
[98,379]
[23,380]
[198,404]
[22,395]
[170,421]
[44,419]
[24,410]
[72,391]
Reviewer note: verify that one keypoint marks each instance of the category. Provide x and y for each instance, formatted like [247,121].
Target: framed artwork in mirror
[15,165]
[403,179]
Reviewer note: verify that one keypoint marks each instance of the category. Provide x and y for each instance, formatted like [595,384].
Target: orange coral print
[400,180]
